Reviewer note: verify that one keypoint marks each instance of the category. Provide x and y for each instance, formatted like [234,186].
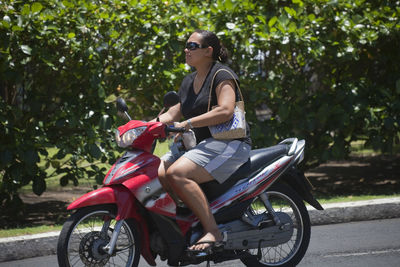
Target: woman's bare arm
[172,115]
[223,112]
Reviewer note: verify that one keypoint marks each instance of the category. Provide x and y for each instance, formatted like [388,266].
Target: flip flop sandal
[215,246]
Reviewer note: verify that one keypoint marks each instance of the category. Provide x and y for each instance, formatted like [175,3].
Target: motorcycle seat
[259,158]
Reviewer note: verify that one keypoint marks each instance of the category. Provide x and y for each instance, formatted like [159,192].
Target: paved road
[370,243]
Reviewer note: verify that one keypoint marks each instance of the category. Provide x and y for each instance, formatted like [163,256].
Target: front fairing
[138,171]
[131,164]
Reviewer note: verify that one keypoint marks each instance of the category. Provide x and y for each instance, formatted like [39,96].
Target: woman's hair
[211,39]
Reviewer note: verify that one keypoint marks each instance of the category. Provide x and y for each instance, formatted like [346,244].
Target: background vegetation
[325,71]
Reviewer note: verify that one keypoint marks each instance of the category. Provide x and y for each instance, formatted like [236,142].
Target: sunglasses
[193,46]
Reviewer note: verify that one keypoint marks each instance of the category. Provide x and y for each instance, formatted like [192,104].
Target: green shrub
[325,71]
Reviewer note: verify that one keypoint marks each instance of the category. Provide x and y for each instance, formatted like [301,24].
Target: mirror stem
[127,115]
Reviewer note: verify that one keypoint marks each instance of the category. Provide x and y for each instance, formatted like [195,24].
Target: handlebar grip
[174,130]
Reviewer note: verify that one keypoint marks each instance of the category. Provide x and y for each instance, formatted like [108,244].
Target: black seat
[259,158]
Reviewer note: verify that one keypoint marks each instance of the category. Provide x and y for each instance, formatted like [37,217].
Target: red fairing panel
[131,164]
[104,195]
[138,172]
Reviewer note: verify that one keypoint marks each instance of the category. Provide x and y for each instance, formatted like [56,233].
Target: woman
[211,158]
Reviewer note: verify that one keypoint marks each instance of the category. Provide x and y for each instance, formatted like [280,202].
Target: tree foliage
[326,71]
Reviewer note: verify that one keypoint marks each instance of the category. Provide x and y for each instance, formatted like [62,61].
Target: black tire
[80,240]
[291,252]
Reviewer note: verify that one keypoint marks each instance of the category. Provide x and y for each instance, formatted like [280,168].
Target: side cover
[138,171]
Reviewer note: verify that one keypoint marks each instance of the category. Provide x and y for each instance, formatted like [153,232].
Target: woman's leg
[162,170]
[184,176]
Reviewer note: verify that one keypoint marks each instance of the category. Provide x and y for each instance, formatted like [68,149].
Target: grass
[29,230]
[353,198]
[358,148]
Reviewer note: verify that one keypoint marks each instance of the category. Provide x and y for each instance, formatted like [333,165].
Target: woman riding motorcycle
[210,159]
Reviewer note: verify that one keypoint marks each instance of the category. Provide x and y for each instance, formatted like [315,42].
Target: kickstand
[208,264]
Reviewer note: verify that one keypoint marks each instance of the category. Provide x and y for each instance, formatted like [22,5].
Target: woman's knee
[162,174]
[171,173]
[174,175]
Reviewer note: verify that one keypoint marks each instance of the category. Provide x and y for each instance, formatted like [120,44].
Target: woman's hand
[183,124]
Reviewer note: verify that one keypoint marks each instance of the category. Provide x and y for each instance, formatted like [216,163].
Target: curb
[29,246]
[364,210]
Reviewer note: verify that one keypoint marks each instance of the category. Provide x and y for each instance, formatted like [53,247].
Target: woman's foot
[207,241]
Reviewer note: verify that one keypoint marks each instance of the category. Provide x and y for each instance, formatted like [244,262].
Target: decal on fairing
[121,162]
[268,174]
[163,205]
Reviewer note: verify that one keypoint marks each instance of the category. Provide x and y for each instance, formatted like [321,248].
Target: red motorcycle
[259,209]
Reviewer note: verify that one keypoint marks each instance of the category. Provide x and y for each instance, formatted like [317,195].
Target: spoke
[123,249]
[112,261]
[119,256]
[290,248]
[77,260]
[284,251]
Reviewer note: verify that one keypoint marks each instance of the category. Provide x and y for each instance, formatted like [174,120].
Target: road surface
[358,244]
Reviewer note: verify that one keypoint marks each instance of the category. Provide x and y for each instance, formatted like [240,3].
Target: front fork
[110,247]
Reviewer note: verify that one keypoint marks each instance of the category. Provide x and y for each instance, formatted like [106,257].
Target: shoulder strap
[212,83]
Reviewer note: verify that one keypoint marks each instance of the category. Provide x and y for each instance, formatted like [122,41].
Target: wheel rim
[86,241]
[279,255]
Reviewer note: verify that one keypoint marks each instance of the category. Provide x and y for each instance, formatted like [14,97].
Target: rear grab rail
[293,147]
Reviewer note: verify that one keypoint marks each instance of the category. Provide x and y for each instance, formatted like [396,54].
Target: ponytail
[220,53]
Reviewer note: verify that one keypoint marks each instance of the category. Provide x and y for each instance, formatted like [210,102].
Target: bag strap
[212,83]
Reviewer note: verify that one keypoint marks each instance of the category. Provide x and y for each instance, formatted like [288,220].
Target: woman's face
[198,55]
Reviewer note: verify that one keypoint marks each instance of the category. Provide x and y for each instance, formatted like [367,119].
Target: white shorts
[220,158]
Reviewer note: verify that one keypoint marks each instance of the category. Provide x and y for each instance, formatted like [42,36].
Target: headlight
[129,137]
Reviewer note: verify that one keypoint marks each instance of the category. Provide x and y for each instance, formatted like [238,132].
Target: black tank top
[193,105]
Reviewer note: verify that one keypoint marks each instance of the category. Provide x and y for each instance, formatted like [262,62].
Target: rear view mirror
[121,105]
[171,99]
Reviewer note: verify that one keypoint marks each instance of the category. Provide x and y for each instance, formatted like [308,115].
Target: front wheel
[88,231]
[283,199]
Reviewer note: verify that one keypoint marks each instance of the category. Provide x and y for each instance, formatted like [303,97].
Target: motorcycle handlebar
[174,130]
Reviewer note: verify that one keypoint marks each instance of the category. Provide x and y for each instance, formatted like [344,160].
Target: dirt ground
[372,175]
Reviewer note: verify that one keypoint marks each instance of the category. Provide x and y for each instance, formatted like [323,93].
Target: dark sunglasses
[193,46]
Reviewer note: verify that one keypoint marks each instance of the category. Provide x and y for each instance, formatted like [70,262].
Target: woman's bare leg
[184,176]
[162,169]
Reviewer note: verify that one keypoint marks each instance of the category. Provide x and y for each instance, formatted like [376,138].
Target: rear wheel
[283,199]
[88,231]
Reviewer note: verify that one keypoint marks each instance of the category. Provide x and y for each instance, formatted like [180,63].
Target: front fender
[117,194]
[127,208]
[104,195]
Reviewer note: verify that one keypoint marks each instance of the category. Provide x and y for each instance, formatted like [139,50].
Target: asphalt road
[369,243]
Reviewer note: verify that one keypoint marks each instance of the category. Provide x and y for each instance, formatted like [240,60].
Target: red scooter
[259,209]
